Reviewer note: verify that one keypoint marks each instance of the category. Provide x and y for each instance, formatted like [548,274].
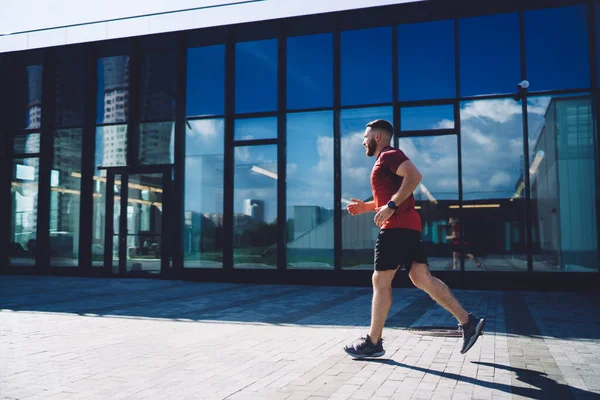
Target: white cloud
[291,169]
[242,154]
[500,178]
[444,124]
[499,111]
[479,138]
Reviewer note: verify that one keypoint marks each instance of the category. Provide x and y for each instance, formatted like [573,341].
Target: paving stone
[82,338]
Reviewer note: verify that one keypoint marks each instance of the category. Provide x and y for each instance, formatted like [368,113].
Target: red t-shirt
[385,183]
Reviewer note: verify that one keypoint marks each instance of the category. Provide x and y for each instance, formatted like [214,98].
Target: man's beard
[371,147]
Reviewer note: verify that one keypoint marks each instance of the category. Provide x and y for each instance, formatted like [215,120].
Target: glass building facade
[232,152]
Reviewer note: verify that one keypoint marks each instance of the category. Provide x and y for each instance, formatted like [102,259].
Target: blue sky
[556,43]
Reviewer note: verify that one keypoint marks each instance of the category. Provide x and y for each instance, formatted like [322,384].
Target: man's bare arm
[412,178]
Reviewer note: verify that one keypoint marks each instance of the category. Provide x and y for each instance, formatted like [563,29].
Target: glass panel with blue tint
[426,67]
[358,232]
[65,193]
[426,118]
[310,71]
[562,177]
[436,157]
[113,89]
[205,81]
[310,190]
[28,98]
[157,101]
[255,128]
[256,76]
[490,56]
[24,193]
[203,227]
[255,207]
[493,219]
[366,66]
[556,42]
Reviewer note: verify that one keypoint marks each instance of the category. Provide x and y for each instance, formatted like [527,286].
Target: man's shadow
[546,388]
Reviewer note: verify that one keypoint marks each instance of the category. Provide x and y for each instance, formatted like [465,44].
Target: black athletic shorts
[398,247]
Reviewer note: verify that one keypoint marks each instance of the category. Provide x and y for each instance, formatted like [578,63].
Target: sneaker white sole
[378,354]
[478,330]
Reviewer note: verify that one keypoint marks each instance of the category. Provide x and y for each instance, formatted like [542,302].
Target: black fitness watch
[391,205]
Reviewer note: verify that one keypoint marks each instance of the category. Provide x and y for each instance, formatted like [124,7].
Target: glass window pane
[24,189]
[65,194]
[310,190]
[493,219]
[426,118]
[358,232]
[255,128]
[203,227]
[157,102]
[28,97]
[70,85]
[111,146]
[255,207]
[436,157]
[563,184]
[206,81]
[490,56]
[366,66]
[26,144]
[156,143]
[557,48]
[426,61]
[310,71]
[113,89]
[256,73]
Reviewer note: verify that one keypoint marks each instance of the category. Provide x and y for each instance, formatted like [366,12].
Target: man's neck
[379,150]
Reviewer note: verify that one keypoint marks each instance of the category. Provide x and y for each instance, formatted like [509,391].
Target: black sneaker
[471,331]
[363,347]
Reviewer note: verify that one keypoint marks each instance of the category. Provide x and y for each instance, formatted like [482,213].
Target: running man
[393,179]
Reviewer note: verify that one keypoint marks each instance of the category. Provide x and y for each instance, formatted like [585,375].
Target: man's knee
[383,279]
[420,276]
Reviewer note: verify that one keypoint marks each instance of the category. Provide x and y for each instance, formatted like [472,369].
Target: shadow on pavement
[545,388]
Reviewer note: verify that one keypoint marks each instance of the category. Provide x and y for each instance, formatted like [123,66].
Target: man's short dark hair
[381,125]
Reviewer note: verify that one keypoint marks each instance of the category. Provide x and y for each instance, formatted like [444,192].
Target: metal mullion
[457,128]
[425,103]
[337,163]
[281,152]
[204,117]
[42,246]
[228,155]
[109,223]
[255,142]
[123,223]
[26,155]
[428,132]
[257,114]
[395,85]
[308,110]
[178,186]
[594,83]
[86,206]
[528,225]
[370,105]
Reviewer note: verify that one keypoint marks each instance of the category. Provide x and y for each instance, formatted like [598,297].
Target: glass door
[137,239]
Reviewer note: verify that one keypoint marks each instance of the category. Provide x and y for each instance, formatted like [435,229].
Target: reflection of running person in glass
[456,247]
[393,180]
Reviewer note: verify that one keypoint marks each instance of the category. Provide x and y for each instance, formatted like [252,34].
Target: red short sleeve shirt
[385,183]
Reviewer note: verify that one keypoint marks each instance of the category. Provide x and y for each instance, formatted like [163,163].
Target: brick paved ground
[76,338]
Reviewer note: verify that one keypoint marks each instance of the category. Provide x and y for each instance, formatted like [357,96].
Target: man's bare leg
[438,291]
[382,301]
